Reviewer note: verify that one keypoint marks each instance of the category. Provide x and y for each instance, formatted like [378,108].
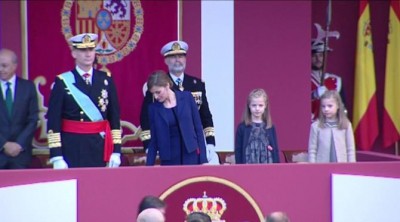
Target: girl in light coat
[331,136]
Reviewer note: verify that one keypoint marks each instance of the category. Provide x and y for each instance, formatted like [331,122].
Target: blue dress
[179,154]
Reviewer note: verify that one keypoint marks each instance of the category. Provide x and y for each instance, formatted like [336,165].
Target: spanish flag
[365,115]
[391,111]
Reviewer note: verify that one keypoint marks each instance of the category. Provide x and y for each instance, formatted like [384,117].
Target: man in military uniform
[330,82]
[83,116]
[175,58]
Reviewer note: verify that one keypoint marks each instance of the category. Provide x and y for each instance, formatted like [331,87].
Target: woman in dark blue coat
[175,125]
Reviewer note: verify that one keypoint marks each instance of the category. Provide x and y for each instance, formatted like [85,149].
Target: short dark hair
[198,217]
[150,202]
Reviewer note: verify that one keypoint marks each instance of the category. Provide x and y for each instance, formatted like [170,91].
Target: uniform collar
[174,78]
[81,72]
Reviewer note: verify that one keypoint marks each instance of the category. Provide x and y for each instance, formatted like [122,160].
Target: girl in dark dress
[255,136]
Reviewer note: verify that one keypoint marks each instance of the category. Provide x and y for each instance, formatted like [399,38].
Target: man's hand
[12,149]
[115,160]
[212,156]
[58,163]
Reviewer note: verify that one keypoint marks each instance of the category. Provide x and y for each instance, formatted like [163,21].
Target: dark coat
[242,139]
[21,126]
[189,124]
[82,150]
[191,84]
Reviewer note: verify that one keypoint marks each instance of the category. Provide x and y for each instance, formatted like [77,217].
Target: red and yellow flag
[391,111]
[365,115]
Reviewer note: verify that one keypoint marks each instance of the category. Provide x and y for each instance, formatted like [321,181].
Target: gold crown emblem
[213,207]
[176,46]
[86,39]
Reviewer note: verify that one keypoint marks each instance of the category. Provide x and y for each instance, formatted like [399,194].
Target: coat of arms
[118,23]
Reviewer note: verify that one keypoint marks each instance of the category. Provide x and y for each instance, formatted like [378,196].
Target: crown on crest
[214,207]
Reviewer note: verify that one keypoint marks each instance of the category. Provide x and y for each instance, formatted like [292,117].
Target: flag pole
[325,54]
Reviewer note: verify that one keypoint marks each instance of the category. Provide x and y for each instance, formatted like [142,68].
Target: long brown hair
[158,78]
[266,116]
[343,121]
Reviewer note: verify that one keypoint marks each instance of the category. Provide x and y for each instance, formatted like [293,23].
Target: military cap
[174,48]
[84,40]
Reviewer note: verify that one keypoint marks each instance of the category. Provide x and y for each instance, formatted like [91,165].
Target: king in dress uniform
[175,58]
[83,116]
[330,82]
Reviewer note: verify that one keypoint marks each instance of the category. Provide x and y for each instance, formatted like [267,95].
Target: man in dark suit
[18,114]
[83,116]
[175,58]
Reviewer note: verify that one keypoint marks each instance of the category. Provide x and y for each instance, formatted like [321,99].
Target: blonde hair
[266,116]
[343,121]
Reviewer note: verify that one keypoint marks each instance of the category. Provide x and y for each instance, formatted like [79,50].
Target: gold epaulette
[116,135]
[145,135]
[54,139]
[209,131]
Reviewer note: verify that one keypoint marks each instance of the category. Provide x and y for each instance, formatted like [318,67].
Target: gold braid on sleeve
[116,135]
[209,131]
[54,139]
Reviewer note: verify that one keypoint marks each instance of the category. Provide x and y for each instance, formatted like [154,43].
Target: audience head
[151,202]
[277,216]
[151,215]
[198,217]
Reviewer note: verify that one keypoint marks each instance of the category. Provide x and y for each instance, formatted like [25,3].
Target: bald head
[8,64]
[277,217]
[151,215]
[11,54]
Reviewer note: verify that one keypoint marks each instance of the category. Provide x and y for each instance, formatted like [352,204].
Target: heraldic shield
[118,23]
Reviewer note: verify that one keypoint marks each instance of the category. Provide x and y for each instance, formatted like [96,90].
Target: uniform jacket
[242,138]
[332,82]
[62,105]
[189,124]
[320,142]
[21,126]
[191,84]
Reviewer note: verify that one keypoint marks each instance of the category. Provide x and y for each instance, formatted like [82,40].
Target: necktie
[9,100]
[86,77]
[179,83]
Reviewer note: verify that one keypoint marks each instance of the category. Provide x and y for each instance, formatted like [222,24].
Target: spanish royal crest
[118,23]
[213,207]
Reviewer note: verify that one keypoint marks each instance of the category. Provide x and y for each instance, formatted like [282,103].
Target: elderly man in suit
[18,114]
